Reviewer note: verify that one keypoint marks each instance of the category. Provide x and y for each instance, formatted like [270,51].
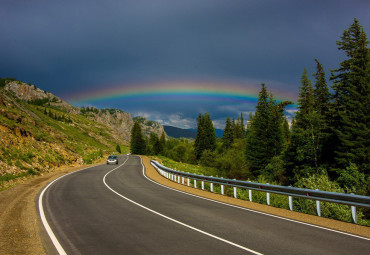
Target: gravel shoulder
[152,173]
[20,225]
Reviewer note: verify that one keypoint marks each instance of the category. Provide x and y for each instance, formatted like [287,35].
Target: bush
[329,210]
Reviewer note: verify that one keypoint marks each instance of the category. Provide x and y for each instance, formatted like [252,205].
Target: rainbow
[175,92]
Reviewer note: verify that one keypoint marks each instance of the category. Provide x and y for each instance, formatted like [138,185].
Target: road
[110,209]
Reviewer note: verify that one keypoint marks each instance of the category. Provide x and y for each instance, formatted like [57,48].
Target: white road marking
[171,219]
[263,213]
[50,232]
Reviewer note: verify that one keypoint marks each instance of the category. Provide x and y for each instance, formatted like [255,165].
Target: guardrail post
[268,197]
[202,184]
[353,212]
[291,203]
[188,181]
[178,179]
[211,185]
[318,207]
[195,183]
[354,215]
[250,195]
[222,188]
[235,194]
[175,177]
[182,180]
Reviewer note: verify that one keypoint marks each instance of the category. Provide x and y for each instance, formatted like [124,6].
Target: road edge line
[264,213]
[44,221]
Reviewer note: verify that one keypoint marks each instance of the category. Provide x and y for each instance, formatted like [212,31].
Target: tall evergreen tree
[206,135]
[302,156]
[242,124]
[138,143]
[162,142]
[228,135]
[321,106]
[350,109]
[257,150]
[239,130]
[321,91]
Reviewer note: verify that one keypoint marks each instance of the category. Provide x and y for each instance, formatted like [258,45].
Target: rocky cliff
[119,121]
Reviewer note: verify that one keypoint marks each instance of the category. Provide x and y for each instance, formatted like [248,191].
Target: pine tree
[321,91]
[286,131]
[206,135]
[303,154]
[239,130]
[138,143]
[321,106]
[242,125]
[228,135]
[350,109]
[162,142]
[257,150]
[118,149]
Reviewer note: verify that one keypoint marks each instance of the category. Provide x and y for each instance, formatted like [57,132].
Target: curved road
[110,209]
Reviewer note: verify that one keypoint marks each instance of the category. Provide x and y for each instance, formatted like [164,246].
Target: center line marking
[171,219]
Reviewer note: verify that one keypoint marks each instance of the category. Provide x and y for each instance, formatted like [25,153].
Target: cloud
[174,119]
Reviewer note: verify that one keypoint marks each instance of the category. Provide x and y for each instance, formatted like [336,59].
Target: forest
[326,145]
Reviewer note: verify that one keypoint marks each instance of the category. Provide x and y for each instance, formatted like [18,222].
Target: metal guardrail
[318,195]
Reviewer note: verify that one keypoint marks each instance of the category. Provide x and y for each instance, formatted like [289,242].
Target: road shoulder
[20,225]
[152,173]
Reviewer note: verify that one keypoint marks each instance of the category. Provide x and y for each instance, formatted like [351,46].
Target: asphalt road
[110,209]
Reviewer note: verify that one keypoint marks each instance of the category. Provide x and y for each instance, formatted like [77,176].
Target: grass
[46,142]
[307,206]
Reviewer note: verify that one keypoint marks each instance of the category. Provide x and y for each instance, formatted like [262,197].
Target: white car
[113,159]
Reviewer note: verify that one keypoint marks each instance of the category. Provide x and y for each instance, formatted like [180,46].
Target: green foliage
[3,81]
[206,135]
[275,171]
[350,116]
[329,210]
[39,101]
[352,180]
[118,149]
[138,144]
[228,135]
[265,135]
[87,110]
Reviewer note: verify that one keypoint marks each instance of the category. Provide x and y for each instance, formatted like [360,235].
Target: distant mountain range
[176,132]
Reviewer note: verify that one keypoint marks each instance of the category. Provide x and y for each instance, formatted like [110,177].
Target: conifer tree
[321,106]
[303,153]
[242,124]
[350,109]
[286,131]
[206,135]
[162,142]
[257,150]
[228,135]
[138,143]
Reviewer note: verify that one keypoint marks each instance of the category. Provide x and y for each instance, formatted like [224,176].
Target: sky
[169,60]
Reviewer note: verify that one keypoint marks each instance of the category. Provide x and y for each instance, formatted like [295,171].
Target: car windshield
[112,157]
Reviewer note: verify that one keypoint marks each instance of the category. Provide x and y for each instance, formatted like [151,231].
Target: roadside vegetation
[325,147]
[38,136]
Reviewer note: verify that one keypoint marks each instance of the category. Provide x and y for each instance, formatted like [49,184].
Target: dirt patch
[319,221]
[19,219]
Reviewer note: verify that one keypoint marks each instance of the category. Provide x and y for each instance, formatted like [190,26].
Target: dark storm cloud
[69,46]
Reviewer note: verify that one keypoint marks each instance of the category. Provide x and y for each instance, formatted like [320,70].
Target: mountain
[219,132]
[176,132]
[40,132]
[186,133]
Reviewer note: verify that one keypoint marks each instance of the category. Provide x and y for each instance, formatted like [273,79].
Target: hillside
[40,132]
[176,132]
